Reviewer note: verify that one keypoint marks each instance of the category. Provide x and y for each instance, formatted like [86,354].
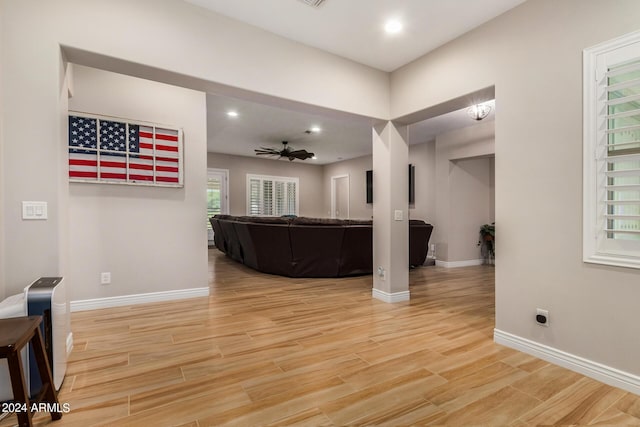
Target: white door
[217,198]
[340,196]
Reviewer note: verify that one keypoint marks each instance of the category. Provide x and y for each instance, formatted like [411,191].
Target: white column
[390,213]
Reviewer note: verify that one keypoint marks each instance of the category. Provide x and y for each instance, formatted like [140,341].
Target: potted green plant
[487,242]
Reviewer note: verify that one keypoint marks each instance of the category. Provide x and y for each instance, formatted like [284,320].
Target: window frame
[274,181]
[598,248]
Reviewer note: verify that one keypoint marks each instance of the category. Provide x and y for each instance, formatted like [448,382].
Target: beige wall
[420,155]
[2,240]
[423,157]
[310,176]
[32,83]
[469,207]
[454,215]
[173,44]
[150,239]
[533,56]
[356,169]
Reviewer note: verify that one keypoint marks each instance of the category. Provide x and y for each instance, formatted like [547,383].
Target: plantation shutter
[292,198]
[271,195]
[622,151]
[214,189]
[254,197]
[280,198]
[267,197]
[611,163]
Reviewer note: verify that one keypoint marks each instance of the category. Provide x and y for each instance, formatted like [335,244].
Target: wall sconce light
[479,111]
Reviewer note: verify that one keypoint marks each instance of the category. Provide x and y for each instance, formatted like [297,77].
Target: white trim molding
[390,298]
[595,370]
[97,303]
[455,264]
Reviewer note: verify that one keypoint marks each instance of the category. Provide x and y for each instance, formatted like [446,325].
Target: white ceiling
[354,29]
[260,125]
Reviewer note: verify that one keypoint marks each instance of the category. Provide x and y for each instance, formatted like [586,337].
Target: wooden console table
[15,334]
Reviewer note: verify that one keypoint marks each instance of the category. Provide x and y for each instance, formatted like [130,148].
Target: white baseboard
[93,304]
[69,343]
[454,264]
[390,298]
[595,370]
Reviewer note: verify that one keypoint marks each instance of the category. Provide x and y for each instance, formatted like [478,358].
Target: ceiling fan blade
[263,150]
[301,154]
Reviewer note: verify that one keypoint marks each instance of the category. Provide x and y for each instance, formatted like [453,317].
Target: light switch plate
[34,210]
[397,215]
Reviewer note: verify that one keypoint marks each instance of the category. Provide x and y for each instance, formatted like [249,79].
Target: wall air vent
[313,3]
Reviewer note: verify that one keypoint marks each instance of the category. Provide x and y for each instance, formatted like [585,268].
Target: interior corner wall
[356,169]
[463,191]
[150,239]
[310,180]
[31,152]
[469,202]
[532,54]
[423,157]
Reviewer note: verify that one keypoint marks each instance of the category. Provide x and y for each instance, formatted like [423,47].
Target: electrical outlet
[542,317]
[381,273]
[105,278]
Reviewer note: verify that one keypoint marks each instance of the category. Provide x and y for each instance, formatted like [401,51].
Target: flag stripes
[117,151]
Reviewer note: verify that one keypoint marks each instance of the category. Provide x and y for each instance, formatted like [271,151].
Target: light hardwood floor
[267,350]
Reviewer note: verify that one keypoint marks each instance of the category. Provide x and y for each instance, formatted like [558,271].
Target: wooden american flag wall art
[119,151]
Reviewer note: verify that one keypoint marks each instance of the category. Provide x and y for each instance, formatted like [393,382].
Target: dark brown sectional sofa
[308,247]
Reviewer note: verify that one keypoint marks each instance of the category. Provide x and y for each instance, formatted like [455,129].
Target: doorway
[217,196]
[340,196]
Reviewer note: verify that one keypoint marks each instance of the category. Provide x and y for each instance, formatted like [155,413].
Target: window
[272,195]
[118,151]
[611,233]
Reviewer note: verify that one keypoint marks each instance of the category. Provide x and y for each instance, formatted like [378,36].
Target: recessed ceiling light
[232,113]
[315,129]
[314,158]
[393,26]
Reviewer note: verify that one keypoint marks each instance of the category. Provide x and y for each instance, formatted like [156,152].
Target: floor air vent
[313,3]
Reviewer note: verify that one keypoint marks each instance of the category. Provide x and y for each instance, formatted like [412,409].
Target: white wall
[150,239]
[533,56]
[310,175]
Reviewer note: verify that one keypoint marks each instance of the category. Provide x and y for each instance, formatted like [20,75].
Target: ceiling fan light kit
[285,152]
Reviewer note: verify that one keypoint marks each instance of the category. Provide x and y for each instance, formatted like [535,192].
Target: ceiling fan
[285,152]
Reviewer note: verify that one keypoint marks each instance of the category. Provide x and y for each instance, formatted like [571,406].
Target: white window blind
[272,195]
[612,152]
